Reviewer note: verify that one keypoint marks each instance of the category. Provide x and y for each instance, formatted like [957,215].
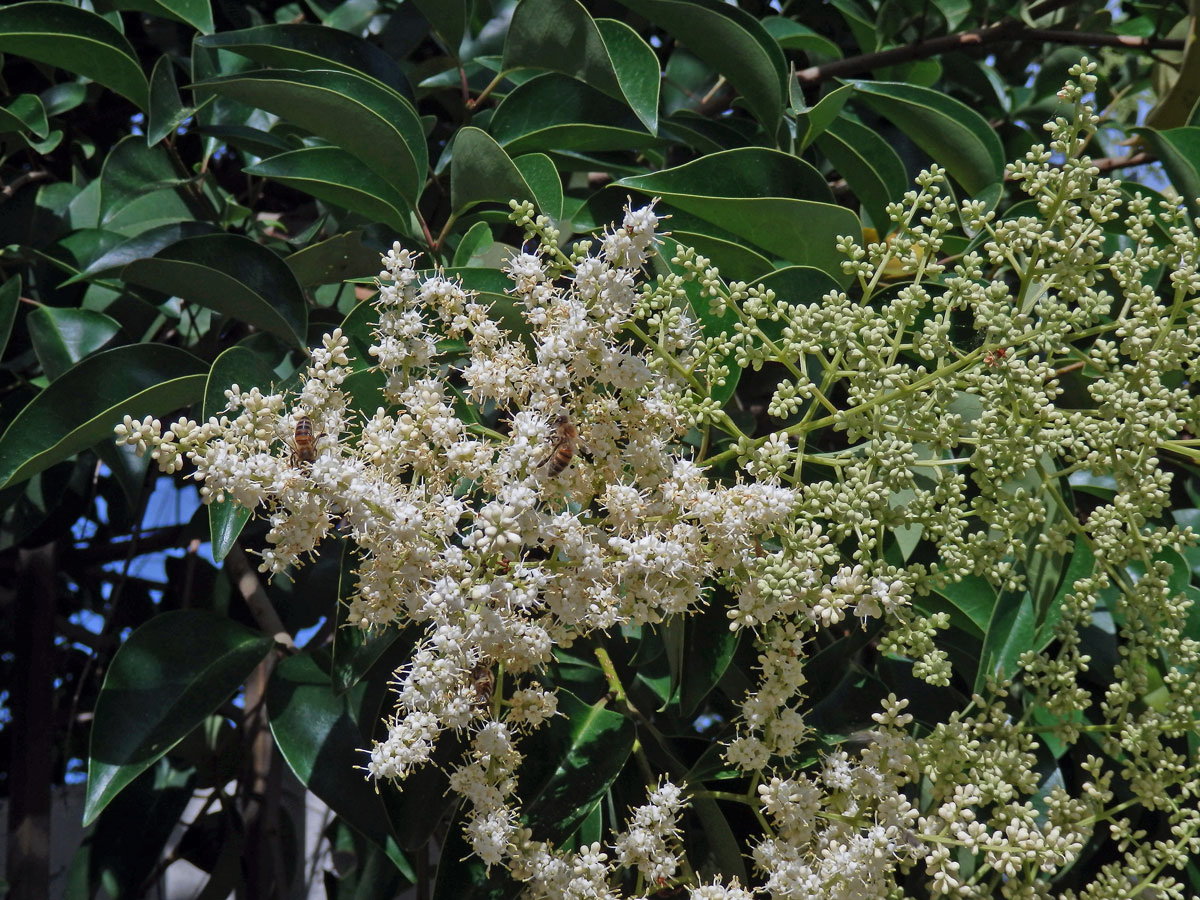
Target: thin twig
[1008,31]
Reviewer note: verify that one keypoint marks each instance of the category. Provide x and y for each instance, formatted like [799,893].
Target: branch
[246,581]
[1008,31]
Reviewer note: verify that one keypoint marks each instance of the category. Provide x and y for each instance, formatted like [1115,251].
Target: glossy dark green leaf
[167,111]
[77,41]
[736,261]
[166,679]
[83,405]
[548,113]
[63,336]
[10,299]
[317,735]
[637,67]
[333,260]
[559,35]
[197,13]
[482,171]
[538,171]
[335,176]
[233,275]
[141,246]
[757,201]
[1179,151]
[793,35]
[300,45]
[245,368]
[130,835]
[708,649]
[358,114]
[585,749]
[132,170]
[1081,563]
[869,164]
[477,239]
[812,122]
[972,601]
[950,132]
[1010,632]
[731,41]
[25,113]
[448,18]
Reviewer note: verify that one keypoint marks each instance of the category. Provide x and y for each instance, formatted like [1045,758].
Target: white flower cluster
[556,478]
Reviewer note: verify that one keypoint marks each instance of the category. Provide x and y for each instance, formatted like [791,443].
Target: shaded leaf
[167,111]
[167,678]
[731,41]
[301,46]
[1010,633]
[358,114]
[77,41]
[231,274]
[1179,151]
[62,337]
[86,402]
[559,35]
[318,736]
[482,171]
[869,164]
[950,132]
[333,175]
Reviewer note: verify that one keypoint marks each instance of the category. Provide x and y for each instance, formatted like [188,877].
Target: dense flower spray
[462,526]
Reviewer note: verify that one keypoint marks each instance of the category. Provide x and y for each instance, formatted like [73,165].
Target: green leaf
[10,299]
[577,758]
[972,601]
[317,735]
[709,647]
[547,113]
[170,675]
[86,402]
[141,246]
[364,118]
[758,202]
[303,46]
[448,18]
[77,41]
[197,13]
[1179,151]
[1082,562]
[482,171]
[333,260]
[637,69]
[245,368]
[62,336]
[539,172]
[233,275]
[25,113]
[1010,633]
[333,175]
[951,133]
[559,35]
[792,35]
[812,122]
[732,42]
[869,164]
[132,170]
[477,239]
[167,111]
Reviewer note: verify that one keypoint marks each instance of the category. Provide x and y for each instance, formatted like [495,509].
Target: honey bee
[483,681]
[566,443]
[304,442]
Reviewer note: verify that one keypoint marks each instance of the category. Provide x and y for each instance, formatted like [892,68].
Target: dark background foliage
[186,187]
